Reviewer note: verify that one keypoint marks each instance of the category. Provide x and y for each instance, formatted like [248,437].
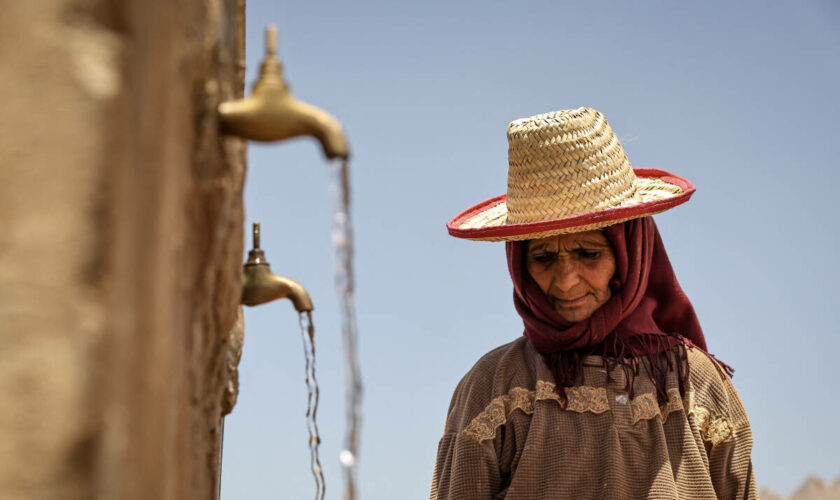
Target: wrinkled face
[574,272]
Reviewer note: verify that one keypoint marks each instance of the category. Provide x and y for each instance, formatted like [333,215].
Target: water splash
[307,330]
[344,284]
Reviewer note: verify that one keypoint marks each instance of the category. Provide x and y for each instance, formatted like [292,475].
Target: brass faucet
[270,113]
[261,285]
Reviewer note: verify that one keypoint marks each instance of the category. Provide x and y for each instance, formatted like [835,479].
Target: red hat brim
[591,220]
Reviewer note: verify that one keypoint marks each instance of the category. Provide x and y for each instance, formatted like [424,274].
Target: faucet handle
[256,255]
[271,40]
[256,236]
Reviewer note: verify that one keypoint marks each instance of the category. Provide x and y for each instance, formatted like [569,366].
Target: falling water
[343,241]
[307,330]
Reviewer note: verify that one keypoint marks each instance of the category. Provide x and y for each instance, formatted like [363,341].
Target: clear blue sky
[739,97]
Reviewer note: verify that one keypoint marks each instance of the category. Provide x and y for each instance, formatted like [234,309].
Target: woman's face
[574,272]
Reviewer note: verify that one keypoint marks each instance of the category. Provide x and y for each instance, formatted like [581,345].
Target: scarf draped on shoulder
[647,317]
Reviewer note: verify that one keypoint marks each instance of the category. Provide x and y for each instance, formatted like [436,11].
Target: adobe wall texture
[120,245]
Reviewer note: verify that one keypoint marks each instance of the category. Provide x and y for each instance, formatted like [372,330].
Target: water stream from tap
[307,330]
[343,241]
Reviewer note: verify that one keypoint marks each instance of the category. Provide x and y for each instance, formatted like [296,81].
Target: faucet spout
[270,113]
[260,285]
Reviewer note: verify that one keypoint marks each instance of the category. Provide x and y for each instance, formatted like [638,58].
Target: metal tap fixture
[260,285]
[270,113]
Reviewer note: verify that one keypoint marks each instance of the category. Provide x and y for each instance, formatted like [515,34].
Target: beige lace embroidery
[584,398]
[674,403]
[545,390]
[580,399]
[646,407]
[714,427]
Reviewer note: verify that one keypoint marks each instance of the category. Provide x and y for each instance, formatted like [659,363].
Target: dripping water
[307,330]
[343,241]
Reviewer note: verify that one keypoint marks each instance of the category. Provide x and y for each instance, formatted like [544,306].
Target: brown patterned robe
[507,435]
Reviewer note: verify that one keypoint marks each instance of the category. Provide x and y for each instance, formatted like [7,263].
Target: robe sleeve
[465,469]
[467,466]
[725,430]
[730,464]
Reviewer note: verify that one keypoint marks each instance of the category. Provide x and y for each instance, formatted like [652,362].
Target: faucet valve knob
[256,255]
[270,41]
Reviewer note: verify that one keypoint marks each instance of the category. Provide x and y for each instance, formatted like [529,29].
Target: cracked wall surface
[120,245]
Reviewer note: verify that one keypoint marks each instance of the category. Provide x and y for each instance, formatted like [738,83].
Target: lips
[569,303]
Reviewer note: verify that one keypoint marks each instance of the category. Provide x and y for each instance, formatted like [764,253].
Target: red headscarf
[647,316]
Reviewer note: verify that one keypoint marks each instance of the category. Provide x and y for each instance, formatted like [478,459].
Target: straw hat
[567,173]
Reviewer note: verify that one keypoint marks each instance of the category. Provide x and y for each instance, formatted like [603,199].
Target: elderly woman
[610,393]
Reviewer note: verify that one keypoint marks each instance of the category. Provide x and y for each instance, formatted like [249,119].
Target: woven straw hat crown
[565,163]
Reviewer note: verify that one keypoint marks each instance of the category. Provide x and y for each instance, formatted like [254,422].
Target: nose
[566,275]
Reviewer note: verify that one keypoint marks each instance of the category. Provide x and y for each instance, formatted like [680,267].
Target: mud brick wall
[121,225]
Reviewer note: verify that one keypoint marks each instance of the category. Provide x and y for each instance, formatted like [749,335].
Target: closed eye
[587,254]
[544,257]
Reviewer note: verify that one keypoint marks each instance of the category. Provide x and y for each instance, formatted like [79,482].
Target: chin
[574,316]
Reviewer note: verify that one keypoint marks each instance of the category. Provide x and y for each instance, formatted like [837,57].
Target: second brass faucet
[260,285]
